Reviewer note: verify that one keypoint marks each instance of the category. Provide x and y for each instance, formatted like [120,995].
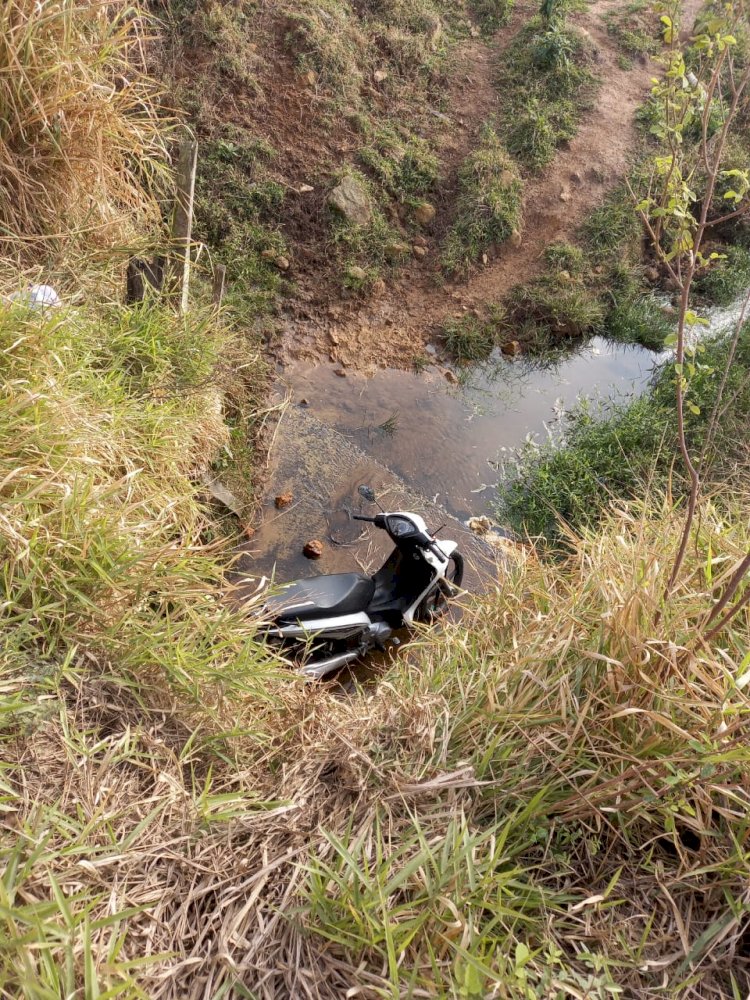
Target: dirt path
[393,329]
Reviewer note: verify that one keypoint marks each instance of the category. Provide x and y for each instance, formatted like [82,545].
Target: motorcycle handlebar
[362,517]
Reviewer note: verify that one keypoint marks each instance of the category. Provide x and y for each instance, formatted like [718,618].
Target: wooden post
[182,221]
[220,280]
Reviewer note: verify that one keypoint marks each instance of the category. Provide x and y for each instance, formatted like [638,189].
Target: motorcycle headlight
[400,527]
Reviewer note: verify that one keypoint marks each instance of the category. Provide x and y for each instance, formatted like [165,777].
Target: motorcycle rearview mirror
[368,493]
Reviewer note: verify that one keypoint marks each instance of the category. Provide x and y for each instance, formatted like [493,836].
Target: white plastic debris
[37,297]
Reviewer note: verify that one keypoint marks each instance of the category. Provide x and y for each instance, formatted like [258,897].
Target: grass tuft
[489,204]
[547,86]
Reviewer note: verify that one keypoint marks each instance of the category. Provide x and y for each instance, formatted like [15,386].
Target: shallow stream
[444,439]
[425,441]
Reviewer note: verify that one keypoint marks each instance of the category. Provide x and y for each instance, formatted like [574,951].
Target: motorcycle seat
[322,597]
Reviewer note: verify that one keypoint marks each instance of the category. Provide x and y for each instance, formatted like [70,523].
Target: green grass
[404,164]
[617,451]
[488,208]
[238,213]
[375,248]
[724,280]
[556,307]
[546,86]
[636,28]
[637,319]
[471,339]
[491,14]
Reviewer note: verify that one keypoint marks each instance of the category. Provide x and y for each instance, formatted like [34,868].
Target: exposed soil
[392,329]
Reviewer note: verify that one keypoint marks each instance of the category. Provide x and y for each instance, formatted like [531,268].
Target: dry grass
[549,799]
[80,144]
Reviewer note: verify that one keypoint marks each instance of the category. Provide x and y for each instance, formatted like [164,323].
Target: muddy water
[445,440]
[424,443]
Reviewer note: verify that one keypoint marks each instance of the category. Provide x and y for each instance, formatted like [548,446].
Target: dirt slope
[392,329]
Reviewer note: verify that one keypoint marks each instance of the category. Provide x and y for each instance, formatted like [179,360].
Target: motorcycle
[329,621]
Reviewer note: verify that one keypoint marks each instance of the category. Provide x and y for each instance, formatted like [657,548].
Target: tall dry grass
[549,799]
[81,146]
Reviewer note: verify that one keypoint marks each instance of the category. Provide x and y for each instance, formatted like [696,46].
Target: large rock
[350,197]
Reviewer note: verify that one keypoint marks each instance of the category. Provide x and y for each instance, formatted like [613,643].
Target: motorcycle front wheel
[435,604]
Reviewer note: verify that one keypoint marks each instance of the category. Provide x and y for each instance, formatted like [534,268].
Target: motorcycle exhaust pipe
[319,668]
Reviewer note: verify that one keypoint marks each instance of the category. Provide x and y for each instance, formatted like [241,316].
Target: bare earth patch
[391,329]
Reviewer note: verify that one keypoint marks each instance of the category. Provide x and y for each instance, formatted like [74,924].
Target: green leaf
[522,955]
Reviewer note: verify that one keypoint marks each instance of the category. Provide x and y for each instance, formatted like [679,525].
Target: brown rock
[249,531]
[310,77]
[424,213]
[395,250]
[282,263]
[334,337]
[268,254]
[356,273]
[565,195]
[515,238]
[340,372]
[450,376]
[313,549]
[380,75]
[419,252]
[378,287]
[283,500]
[351,198]
[511,348]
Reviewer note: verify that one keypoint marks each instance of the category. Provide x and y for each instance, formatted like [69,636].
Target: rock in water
[350,197]
[313,549]
[283,500]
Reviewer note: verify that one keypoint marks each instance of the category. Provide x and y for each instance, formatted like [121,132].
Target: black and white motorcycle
[328,621]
